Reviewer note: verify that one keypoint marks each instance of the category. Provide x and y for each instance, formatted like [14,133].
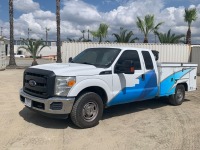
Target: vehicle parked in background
[98,78]
[17,55]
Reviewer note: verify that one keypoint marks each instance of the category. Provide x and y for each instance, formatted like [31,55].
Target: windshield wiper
[87,63]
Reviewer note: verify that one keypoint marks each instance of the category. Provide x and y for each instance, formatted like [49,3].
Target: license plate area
[28,102]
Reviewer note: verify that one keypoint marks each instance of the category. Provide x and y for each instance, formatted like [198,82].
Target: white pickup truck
[102,77]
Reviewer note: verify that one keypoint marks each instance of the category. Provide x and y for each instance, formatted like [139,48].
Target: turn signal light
[71,83]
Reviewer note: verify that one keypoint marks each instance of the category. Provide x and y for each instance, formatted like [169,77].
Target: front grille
[44,82]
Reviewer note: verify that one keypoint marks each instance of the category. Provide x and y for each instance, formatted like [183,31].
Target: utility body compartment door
[176,73]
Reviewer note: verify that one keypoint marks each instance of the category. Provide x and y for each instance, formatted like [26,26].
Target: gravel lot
[148,125]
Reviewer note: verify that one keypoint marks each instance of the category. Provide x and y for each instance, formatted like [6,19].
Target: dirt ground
[148,125]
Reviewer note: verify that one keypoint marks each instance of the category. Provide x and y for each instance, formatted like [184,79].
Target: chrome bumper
[66,108]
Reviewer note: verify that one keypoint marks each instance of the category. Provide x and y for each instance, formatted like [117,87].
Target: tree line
[12,62]
[146,26]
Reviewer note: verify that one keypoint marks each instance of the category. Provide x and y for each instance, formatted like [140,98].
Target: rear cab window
[147,60]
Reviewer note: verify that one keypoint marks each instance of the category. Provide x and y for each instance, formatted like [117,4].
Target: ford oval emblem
[32,83]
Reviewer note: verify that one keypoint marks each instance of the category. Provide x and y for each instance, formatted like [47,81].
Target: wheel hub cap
[179,95]
[90,111]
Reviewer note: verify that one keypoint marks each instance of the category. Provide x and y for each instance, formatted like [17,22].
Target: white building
[47,51]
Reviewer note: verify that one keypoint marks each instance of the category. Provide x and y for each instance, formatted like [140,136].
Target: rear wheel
[87,110]
[178,97]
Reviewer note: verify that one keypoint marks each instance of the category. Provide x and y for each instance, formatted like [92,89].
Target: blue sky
[103,6]
[80,15]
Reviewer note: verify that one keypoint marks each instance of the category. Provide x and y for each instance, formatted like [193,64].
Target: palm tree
[2,38]
[12,62]
[190,16]
[101,32]
[147,26]
[71,40]
[83,31]
[59,60]
[78,40]
[33,47]
[124,37]
[169,38]
[88,35]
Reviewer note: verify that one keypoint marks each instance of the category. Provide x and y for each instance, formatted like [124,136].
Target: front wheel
[178,97]
[87,110]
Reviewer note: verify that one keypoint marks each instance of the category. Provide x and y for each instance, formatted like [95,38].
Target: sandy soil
[148,125]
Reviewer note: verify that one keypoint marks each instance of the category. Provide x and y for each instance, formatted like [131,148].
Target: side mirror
[70,60]
[126,67]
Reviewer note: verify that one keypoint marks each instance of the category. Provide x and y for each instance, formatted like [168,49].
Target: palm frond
[101,32]
[169,38]
[190,15]
[147,26]
[117,36]
[141,25]
[123,36]
[33,46]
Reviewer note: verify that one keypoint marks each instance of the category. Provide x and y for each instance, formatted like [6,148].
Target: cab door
[150,76]
[128,87]
[141,85]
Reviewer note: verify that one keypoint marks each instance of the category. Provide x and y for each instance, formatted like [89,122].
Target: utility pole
[83,31]
[1,31]
[47,29]
[29,30]
[59,59]
[88,34]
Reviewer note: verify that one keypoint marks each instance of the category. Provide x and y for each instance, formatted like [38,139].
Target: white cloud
[39,14]
[172,17]
[76,15]
[25,5]
[37,24]
[80,12]
[126,15]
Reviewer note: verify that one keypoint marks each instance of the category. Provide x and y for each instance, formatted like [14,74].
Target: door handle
[143,77]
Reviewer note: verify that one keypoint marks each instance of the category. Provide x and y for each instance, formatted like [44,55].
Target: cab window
[130,55]
[147,60]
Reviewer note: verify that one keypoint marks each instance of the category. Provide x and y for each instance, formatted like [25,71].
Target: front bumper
[54,105]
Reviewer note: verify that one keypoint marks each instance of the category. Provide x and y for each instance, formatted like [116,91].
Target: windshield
[99,57]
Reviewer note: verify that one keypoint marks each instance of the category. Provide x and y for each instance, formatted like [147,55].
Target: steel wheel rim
[90,111]
[179,95]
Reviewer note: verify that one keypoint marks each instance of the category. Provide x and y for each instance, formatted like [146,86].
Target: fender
[88,83]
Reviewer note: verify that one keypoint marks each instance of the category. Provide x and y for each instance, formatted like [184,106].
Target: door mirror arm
[70,60]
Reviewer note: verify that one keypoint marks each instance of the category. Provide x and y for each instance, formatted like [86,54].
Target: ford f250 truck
[102,77]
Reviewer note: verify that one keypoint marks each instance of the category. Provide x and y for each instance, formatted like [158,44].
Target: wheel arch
[98,90]
[185,85]
[92,85]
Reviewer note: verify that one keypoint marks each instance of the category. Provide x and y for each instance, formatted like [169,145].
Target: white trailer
[2,57]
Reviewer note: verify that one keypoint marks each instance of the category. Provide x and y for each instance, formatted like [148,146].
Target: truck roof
[125,48]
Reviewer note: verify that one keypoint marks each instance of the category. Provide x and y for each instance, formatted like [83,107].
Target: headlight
[63,85]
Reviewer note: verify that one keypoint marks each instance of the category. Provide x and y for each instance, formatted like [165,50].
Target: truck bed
[171,74]
[175,64]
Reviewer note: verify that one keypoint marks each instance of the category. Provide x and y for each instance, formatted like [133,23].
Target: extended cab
[102,77]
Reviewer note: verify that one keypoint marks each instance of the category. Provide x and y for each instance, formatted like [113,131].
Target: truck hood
[70,69]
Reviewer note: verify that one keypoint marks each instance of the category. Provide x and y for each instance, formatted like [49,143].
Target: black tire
[87,110]
[179,96]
